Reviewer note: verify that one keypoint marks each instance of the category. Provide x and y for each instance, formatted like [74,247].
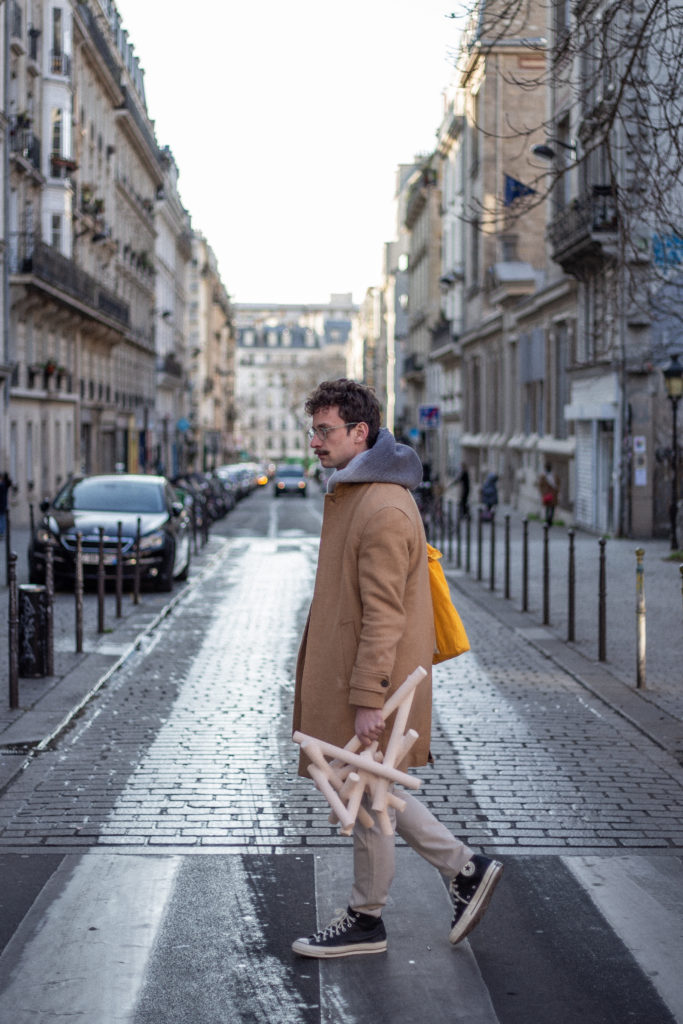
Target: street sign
[429,417]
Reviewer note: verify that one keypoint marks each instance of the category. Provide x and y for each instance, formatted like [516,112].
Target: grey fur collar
[387,462]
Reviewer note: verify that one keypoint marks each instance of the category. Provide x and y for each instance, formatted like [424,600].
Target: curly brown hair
[357,403]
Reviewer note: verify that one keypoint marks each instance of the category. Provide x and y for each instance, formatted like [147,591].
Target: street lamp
[546,152]
[673,380]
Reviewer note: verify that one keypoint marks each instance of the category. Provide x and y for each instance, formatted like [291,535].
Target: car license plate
[93,558]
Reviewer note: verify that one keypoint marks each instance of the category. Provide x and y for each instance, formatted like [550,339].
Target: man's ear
[363,431]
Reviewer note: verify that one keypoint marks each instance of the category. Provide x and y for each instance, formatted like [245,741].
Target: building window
[29,456]
[56,232]
[57,131]
[561,379]
[474,251]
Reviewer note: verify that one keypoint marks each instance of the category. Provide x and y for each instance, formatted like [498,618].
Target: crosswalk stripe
[421,976]
[642,899]
[83,948]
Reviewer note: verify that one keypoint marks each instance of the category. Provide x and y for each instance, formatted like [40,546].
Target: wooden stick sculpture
[343,775]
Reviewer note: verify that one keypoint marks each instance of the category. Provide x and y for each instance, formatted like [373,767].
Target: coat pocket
[349,646]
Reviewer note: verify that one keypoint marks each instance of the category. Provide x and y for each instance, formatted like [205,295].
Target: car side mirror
[177,507]
[44,505]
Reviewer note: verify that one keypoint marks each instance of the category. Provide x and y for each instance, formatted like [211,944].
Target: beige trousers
[374,858]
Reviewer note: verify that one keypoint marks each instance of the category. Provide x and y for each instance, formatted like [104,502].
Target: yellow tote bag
[451,638]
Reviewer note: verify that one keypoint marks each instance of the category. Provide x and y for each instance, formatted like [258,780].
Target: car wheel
[164,581]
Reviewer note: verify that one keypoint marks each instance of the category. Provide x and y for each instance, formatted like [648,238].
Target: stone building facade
[283,352]
[99,251]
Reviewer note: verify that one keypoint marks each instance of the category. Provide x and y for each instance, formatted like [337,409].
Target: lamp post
[673,380]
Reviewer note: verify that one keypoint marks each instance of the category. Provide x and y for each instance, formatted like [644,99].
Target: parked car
[290,479]
[86,503]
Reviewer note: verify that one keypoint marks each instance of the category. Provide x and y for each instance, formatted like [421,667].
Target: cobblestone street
[190,745]
[168,814]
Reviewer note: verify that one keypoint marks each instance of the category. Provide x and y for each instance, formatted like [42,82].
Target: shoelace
[455,894]
[335,927]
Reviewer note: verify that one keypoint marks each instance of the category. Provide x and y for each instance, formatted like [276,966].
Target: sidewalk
[48,704]
[657,709]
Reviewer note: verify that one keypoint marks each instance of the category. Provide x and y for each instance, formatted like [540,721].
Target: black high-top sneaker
[470,892]
[348,934]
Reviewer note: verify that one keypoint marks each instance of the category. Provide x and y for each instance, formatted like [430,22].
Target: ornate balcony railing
[24,143]
[582,229]
[31,256]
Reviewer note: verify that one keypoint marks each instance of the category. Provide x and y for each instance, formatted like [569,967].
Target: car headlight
[152,541]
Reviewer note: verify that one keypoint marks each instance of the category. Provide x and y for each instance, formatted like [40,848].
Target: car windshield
[290,471]
[112,496]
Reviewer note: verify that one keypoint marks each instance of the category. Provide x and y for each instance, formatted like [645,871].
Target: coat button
[385,683]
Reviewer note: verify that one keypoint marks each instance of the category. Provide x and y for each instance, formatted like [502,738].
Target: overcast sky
[287,121]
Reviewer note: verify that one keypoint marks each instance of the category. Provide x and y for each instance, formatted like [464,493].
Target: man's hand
[369,725]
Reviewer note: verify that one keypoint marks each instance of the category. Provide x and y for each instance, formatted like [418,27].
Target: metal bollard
[136,567]
[507,556]
[492,552]
[50,621]
[524,564]
[100,582]
[78,593]
[602,604]
[468,545]
[680,569]
[641,637]
[458,543]
[571,591]
[546,575]
[119,568]
[8,542]
[449,529]
[194,527]
[480,530]
[13,631]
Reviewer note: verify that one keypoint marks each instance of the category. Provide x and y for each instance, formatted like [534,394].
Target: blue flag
[515,190]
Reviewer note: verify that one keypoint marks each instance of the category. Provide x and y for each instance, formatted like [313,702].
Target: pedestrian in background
[489,494]
[549,490]
[369,626]
[5,484]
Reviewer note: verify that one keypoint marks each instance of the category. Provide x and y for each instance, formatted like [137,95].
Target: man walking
[370,625]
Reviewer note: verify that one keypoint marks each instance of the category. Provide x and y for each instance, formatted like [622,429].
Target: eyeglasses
[322,432]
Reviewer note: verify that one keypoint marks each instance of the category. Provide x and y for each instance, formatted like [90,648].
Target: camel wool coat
[371,622]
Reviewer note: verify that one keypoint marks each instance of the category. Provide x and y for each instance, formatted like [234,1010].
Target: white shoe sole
[478,904]
[304,948]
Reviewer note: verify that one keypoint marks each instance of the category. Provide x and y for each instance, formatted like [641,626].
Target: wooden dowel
[358,761]
[323,784]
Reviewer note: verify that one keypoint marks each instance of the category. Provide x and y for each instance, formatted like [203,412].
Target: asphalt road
[159,858]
